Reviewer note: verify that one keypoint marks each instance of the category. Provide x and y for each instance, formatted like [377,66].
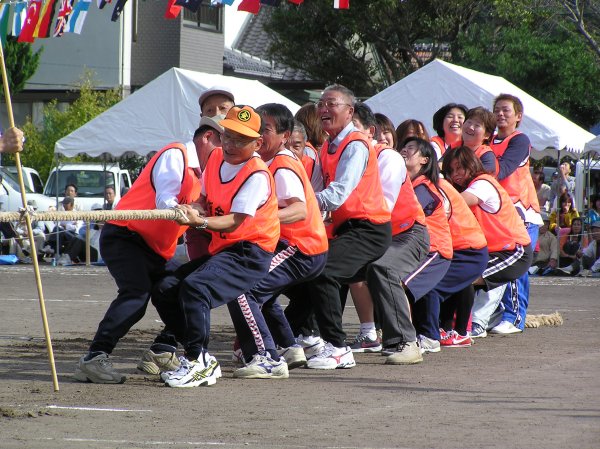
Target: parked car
[91,179]
[31,177]
[10,194]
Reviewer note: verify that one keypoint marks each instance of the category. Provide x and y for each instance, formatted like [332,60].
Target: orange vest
[308,162]
[486,149]
[440,239]
[443,145]
[518,184]
[464,228]
[160,235]
[407,209]
[366,202]
[261,229]
[308,234]
[505,228]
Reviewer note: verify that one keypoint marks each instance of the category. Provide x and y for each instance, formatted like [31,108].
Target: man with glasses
[360,229]
[136,252]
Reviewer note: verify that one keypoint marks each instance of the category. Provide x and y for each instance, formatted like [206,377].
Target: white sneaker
[533,269]
[331,357]
[166,375]
[505,328]
[312,345]
[294,356]
[195,373]
[428,345]
[263,367]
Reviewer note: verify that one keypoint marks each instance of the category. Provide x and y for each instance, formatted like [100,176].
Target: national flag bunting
[4,13]
[102,3]
[296,2]
[77,17]
[42,29]
[118,10]
[172,10]
[18,18]
[341,4]
[64,12]
[33,16]
[192,5]
[252,6]
[271,2]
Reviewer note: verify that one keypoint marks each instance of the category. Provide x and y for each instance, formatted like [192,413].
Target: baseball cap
[213,122]
[215,90]
[97,206]
[243,120]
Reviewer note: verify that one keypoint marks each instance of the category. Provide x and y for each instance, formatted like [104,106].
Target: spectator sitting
[571,246]
[67,229]
[71,191]
[566,212]
[546,258]
[544,192]
[109,198]
[39,236]
[593,214]
[590,259]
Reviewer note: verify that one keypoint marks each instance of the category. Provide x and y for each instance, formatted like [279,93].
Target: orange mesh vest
[160,235]
[486,149]
[440,239]
[464,228]
[366,202]
[504,229]
[518,184]
[308,234]
[407,209]
[263,228]
[308,162]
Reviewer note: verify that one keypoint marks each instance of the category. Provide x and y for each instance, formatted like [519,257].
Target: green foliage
[59,122]
[21,63]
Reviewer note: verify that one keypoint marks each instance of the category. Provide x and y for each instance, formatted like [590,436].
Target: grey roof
[250,52]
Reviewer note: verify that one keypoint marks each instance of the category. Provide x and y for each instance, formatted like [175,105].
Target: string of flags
[35,19]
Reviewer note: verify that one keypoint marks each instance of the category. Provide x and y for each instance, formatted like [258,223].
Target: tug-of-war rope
[94,215]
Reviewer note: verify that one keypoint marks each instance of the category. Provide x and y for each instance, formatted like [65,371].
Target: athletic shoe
[155,363]
[505,328]
[454,340]
[533,269]
[331,357]
[477,331]
[364,343]
[263,367]
[312,345]
[405,354]
[428,344]
[443,334]
[98,370]
[294,356]
[195,373]
[166,375]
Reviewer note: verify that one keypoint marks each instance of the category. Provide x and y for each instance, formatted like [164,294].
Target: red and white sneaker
[443,334]
[331,357]
[453,339]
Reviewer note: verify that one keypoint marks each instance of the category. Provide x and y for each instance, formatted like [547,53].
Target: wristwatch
[204,224]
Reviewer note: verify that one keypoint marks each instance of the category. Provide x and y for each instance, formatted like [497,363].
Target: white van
[10,194]
[31,177]
[91,179]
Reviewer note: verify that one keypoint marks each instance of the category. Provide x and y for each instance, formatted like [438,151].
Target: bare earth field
[539,389]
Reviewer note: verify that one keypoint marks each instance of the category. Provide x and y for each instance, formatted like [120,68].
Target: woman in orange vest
[509,244]
[422,167]
[410,128]
[447,122]
[477,130]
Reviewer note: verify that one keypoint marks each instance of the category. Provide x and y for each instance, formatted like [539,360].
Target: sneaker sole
[82,377]
[373,349]
[482,335]
[332,367]
[390,361]
[517,331]
[149,367]
[430,351]
[296,364]
[261,376]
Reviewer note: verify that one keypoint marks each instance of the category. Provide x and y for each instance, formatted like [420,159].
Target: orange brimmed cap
[244,121]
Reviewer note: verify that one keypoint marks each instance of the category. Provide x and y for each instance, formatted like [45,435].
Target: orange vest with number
[464,227]
[505,228]
[309,234]
[263,228]
[440,239]
[366,202]
[407,209]
[518,184]
[160,235]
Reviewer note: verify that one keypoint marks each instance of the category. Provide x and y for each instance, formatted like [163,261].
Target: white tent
[423,92]
[593,145]
[163,111]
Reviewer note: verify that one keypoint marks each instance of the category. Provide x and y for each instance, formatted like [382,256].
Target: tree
[21,63]
[59,122]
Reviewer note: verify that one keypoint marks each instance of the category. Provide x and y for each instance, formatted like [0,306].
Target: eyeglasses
[329,104]
[237,142]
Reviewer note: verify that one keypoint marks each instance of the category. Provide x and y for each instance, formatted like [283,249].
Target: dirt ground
[539,389]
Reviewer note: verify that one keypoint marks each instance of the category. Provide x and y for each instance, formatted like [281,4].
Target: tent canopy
[163,111]
[593,145]
[423,92]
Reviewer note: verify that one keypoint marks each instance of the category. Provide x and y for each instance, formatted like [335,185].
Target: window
[207,17]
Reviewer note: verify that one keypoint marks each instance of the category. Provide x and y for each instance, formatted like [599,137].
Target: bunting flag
[172,10]
[42,29]
[341,4]
[102,3]
[33,16]
[216,2]
[252,6]
[64,12]
[296,2]
[271,2]
[118,10]
[192,5]
[77,18]
[18,18]
[228,2]
[4,13]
